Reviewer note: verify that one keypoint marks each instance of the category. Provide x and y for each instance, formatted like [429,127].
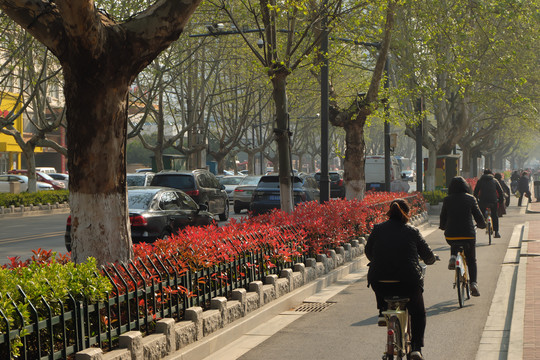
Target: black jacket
[488,190]
[393,249]
[523,185]
[457,213]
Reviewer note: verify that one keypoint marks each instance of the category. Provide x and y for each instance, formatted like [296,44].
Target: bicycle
[461,282]
[398,325]
[489,224]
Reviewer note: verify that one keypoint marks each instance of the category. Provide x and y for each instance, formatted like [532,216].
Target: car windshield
[250,180]
[332,176]
[174,181]
[139,200]
[231,180]
[135,180]
[272,182]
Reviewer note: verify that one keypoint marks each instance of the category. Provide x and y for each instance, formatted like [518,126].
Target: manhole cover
[313,307]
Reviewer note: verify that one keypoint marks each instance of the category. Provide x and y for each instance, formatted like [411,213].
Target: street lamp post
[324,179]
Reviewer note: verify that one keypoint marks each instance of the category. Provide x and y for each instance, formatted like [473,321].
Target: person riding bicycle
[456,219]
[489,193]
[393,248]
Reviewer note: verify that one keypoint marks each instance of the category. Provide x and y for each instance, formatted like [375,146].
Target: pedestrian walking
[506,190]
[490,194]
[523,187]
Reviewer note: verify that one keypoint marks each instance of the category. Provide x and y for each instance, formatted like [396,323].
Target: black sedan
[157,212]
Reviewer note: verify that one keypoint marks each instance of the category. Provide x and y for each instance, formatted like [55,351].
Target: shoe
[497,235]
[452,263]
[474,289]
[381,321]
[416,355]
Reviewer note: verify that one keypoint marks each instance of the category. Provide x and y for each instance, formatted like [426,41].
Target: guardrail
[145,291]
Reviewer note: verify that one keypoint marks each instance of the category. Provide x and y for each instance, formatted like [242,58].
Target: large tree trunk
[30,156]
[282,140]
[466,162]
[354,163]
[431,168]
[96,139]
[251,163]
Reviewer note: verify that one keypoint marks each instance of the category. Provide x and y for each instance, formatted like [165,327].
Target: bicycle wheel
[459,287]
[393,343]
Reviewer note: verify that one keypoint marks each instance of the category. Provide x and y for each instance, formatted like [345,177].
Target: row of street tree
[245,76]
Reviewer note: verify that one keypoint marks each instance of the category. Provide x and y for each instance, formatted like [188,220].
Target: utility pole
[419,139]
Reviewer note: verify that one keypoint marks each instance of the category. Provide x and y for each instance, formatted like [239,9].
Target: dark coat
[488,190]
[457,213]
[393,249]
[523,185]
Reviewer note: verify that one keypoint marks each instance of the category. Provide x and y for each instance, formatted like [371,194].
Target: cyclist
[489,193]
[393,248]
[456,219]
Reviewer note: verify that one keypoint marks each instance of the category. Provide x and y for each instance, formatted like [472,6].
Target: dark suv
[266,195]
[201,185]
[337,188]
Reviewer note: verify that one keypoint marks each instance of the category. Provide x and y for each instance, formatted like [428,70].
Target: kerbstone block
[186,333]
[132,340]
[212,321]
[166,327]
[154,347]
[195,314]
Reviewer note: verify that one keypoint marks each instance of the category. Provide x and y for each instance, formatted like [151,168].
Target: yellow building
[10,152]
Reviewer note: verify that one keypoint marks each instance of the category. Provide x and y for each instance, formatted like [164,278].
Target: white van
[46,170]
[374,172]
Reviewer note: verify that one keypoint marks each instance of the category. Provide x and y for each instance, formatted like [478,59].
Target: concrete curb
[212,343]
[34,210]
[503,314]
[515,341]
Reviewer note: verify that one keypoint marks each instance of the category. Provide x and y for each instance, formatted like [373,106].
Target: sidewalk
[530,261]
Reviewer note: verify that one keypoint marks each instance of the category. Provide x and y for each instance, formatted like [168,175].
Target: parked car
[46,170]
[230,182]
[5,179]
[57,185]
[139,179]
[201,185]
[266,195]
[337,187]
[243,192]
[144,170]
[157,213]
[61,177]
[408,175]
[375,172]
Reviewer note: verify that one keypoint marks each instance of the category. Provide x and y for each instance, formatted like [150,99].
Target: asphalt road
[348,330]
[20,235]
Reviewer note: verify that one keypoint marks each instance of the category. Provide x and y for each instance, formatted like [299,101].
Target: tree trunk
[282,134]
[251,163]
[466,162]
[30,157]
[432,165]
[158,155]
[96,139]
[354,163]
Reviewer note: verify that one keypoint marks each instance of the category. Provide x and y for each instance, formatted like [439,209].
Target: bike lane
[347,328]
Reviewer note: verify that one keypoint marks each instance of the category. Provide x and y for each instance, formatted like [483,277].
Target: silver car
[243,192]
[6,179]
[231,182]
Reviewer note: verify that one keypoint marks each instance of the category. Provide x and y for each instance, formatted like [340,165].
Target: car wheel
[237,208]
[165,235]
[225,215]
